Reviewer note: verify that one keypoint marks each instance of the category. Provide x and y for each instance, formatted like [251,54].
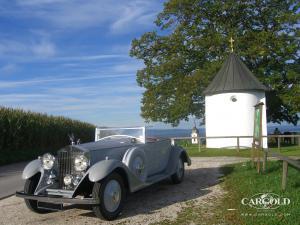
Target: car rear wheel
[110,192]
[178,176]
[29,188]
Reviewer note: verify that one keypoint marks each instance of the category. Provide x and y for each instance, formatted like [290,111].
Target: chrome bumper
[58,200]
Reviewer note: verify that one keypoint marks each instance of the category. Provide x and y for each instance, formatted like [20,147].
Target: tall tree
[191,43]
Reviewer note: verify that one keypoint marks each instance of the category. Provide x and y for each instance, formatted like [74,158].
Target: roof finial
[231,43]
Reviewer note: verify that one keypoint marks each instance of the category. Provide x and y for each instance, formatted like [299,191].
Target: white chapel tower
[195,135]
[229,105]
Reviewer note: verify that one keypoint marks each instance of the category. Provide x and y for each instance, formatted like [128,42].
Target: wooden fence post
[258,160]
[265,161]
[284,174]
[238,143]
[252,155]
[279,139]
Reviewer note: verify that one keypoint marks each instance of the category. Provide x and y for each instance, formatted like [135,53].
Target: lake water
[187,132]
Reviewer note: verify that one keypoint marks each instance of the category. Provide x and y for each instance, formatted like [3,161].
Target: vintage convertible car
[100,173]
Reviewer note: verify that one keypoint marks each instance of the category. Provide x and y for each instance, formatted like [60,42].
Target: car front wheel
[178,176]
[29,188]
[110,193]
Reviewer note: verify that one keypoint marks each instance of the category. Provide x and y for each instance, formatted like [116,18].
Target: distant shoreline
[177,132]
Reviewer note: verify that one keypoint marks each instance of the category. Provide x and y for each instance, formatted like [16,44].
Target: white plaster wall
[226,118]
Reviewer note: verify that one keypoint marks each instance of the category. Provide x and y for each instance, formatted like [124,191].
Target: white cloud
[12,47]
[120,48]
[44,49]
[91,57]
[35,50]
[8,69]
[93,89]
[40,44]
[40,48]
[137,13]
[53,79]
[113,111]
[71,14]
[38,2]
[60,104]
[121,16]
[128,67]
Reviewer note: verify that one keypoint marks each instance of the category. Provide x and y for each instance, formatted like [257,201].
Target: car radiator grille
[65,159]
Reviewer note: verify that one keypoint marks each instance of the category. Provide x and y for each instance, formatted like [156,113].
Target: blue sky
[70,58]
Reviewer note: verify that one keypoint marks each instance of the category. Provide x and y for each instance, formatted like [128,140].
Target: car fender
[181,152]
[103,168]
[32,169]
[184,155]
[176,153]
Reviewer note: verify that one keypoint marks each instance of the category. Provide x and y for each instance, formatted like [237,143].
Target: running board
[157,177]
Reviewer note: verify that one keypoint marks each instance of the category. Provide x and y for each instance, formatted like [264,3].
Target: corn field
[24,134]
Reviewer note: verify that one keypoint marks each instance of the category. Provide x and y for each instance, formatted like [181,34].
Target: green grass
[240,181]
[209,152]
[243,181]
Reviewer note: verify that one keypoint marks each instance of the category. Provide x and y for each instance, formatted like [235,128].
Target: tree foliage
[191,43]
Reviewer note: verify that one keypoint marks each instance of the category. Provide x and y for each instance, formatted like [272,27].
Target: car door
[157,154]
[163,149]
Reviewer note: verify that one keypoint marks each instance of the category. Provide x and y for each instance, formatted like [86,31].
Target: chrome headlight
[68,180]
[81,163]
[48,161]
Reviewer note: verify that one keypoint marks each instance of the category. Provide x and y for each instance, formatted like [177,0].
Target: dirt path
[159,202]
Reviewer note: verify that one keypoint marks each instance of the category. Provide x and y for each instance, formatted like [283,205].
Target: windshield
[132,132]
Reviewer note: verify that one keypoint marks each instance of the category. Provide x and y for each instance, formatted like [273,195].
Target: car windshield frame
[128,132]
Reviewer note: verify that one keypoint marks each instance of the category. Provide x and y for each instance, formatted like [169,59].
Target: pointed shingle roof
[234,76]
